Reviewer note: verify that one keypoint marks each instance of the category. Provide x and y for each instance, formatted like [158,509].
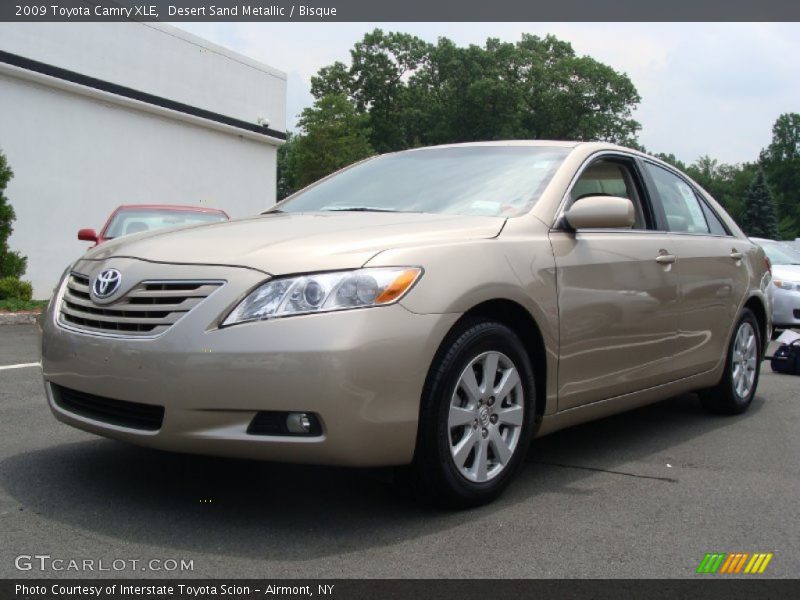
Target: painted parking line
[20,366]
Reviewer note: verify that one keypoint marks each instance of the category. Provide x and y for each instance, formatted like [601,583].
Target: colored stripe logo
[735,563]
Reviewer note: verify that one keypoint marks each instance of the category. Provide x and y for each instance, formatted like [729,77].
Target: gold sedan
[433,309]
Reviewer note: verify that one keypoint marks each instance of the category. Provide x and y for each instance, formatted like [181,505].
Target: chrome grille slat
[168,319]
[148,309]
[199,292]
[127,306]
[78,287]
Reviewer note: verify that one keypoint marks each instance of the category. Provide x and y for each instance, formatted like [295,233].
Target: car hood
[280,243]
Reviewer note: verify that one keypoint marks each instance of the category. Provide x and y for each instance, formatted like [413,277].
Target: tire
[735,391]
[471,441]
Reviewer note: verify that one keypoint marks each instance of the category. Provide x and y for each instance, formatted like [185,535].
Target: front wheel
[476,417]
[735,391]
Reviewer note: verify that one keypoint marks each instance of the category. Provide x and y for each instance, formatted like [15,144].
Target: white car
[785,282]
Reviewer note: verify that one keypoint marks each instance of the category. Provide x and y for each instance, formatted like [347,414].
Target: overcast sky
[706,88]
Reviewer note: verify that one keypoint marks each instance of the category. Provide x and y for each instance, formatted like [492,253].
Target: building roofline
[217,49]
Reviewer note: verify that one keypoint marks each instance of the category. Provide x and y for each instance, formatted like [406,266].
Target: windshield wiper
[358,209]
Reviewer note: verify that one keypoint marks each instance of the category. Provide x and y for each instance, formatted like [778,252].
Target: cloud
[707,88]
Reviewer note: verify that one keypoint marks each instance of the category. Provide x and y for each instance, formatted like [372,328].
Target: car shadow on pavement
[290,512]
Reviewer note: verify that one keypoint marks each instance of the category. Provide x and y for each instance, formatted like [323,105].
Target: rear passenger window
[714,224]
[683,210]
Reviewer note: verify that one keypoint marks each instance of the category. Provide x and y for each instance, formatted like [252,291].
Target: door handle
[664,258]
[736,255]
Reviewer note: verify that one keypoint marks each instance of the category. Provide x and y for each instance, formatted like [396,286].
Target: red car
[135,218]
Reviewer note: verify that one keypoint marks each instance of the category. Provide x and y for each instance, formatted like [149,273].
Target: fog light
[275,422]
[298,423]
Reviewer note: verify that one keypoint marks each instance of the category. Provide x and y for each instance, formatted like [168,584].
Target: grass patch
[22,305]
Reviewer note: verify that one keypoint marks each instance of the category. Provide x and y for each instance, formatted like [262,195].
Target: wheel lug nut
[491,401]
[485,432]
[475,424]
[493,418]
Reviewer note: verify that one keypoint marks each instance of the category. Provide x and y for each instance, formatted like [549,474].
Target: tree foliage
[759,218]
[781,164]
[333,135]
[12,264]
[731,184]
[400,91]
[416,93]
[727,183]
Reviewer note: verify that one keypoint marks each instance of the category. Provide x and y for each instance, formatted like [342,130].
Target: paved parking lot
[644,494]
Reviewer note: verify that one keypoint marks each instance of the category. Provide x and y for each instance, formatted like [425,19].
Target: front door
[617,295]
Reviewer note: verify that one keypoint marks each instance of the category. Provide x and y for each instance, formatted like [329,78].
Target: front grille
[134,415]
[148,309]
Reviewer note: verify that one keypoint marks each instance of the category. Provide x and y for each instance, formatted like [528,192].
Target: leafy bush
[12,288]
[12,264]
[23,305]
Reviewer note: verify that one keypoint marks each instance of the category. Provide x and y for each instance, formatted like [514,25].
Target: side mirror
[87,235]
[600,212]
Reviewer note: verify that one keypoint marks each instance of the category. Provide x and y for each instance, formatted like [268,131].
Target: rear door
[712,278]
[617,293]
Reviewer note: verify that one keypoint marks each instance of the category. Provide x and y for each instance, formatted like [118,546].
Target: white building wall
[77,153]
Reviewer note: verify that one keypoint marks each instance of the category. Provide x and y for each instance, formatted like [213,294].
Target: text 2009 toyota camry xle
[435,308]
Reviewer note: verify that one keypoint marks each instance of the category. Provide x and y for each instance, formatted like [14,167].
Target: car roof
[568,144]
[526,143]
[186,207]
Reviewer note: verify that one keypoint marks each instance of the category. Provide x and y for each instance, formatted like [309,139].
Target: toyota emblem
[107,283]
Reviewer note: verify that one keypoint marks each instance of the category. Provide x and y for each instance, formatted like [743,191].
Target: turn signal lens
[399,286]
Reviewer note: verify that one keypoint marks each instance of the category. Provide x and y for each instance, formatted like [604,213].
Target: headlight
[324,292]
[785,285]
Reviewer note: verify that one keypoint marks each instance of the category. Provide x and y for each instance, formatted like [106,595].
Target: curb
[25,318]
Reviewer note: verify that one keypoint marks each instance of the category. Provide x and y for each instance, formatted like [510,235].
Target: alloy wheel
[486,416]
[745,357]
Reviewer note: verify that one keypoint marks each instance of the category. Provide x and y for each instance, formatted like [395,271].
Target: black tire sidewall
[471,340]
[736,402]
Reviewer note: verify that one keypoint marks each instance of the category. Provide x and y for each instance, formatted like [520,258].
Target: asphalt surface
[643,494]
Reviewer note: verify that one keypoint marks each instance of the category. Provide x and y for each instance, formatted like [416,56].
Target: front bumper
[785,308]
[361,371]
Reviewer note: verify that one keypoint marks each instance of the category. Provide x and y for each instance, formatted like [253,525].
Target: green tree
[781,164]
[759,218]
[333,135]
[416,93]
[728,184]
[12,264]
[286,170]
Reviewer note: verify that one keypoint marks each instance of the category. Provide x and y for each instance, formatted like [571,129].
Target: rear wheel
[735,391]
[475,422]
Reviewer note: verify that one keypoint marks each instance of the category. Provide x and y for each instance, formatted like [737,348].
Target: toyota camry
[433,310]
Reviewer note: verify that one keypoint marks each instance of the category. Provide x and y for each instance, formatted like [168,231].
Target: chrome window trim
[559,213]
[562,206]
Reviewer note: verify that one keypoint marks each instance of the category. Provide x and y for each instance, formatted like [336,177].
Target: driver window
[609,178]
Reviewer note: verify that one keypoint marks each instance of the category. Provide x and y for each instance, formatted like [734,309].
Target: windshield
[780,255]
[472,180]
[128,221]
